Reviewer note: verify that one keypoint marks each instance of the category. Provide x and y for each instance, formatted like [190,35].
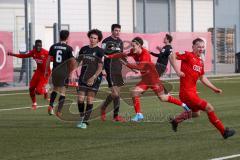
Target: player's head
[137,44]
[167,39]
[198,46]
[116,29]
[94,36]
[64,34]
[38,45]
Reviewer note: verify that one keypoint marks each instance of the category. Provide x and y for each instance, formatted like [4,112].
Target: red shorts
[157,87]
[193,101]
[39,82]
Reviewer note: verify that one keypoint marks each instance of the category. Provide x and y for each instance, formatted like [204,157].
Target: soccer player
[149,75]
[90,57]
[192,69]
[62,55]
[162,60]
[38,82]
[113,69]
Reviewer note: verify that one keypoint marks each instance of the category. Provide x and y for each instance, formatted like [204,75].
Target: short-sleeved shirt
[193,67]
[90,58]
[60,53]
[112,65]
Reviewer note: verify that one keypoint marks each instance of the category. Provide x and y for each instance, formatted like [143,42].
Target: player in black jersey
[90,58]
[113,69]
[162,60]
[62,57]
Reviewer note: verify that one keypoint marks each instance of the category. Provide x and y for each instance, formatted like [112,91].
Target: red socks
[32,95]
[183,116]
[173,100]
[136,102]
[216,122]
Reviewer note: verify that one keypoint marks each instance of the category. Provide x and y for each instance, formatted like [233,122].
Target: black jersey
[162,60]
[60,52]
[90,58]
[112,65]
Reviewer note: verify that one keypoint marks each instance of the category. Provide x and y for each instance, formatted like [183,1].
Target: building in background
[160,16]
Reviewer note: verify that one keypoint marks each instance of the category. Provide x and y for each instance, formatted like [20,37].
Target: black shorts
[161,69]
[114,80]
[82,86]
[59,79]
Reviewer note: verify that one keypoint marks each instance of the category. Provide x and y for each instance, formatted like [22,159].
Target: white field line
[227,157]
[10,109]
[12,94]
[218,79]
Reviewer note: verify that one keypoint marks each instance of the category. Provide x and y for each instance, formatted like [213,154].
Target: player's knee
[163,98]
[209,108]
[32,90]
[90,99]
[195,114]
[114,95]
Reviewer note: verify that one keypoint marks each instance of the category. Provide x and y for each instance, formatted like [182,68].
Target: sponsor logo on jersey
[197,68]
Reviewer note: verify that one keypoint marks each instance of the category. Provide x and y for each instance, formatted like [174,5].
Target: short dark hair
[169,38]
[138,40]
[96,32]
[115,26]
[64,35]
[38,41]
[197,40]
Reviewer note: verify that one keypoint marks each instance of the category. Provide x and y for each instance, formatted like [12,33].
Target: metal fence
[136,16]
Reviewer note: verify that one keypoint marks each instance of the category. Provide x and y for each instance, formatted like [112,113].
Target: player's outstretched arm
[154,54]
[20,55]
[116,55]
[207,83]
[173,61]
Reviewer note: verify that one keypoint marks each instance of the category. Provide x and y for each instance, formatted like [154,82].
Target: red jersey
[40,58]
[192,66]
[145,65]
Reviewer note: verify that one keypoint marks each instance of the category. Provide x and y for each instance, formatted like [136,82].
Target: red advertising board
[6,62]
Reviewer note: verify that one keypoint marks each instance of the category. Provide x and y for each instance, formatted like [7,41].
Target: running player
[113,69]
[39,81]
[149,75]
[63,59]
[90,57]
[192,69]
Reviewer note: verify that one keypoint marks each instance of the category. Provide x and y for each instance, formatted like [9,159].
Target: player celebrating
[150,77]
[162,60]
[62,56]
[113,69]
[38,81]
[90,76]
[192,69]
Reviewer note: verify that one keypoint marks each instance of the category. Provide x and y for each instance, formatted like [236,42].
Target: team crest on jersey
[94,53]
[163,50]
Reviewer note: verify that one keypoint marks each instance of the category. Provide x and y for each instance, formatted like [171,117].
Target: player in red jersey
[149,75]
[192,69]
[38,82]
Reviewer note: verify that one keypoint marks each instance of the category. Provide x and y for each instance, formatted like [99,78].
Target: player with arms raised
[149,75]
[192,69]
[39,81]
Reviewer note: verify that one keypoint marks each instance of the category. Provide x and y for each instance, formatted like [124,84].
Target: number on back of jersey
[59,56]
